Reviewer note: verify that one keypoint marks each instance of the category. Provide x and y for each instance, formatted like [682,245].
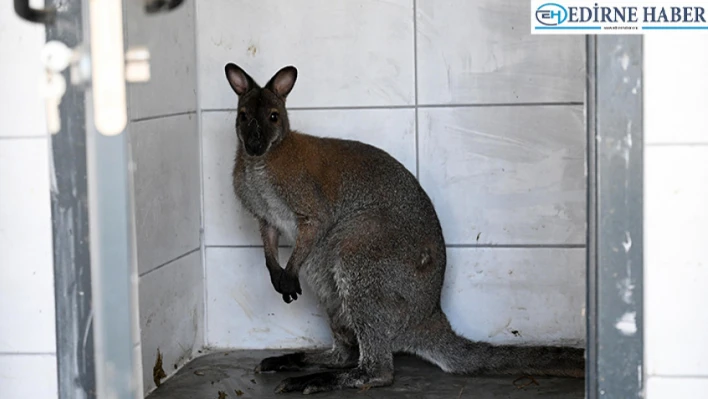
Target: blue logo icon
[551,14]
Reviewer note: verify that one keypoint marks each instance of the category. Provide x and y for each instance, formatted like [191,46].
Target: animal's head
[262,120]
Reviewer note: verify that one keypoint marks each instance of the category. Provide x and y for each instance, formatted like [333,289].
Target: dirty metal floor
[232,373]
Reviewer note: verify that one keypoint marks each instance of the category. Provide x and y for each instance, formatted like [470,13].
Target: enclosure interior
[489,118]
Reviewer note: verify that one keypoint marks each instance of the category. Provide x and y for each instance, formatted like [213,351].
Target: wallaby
[368,242]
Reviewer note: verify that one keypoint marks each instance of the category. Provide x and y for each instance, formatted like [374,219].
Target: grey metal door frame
[615,317]
[93,236]
[93,232]
[93,225]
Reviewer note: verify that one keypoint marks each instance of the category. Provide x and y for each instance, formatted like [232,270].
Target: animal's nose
[253,146]
[254,129]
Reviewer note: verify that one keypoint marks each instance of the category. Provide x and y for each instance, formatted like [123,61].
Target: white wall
[164,135]
[27,339]
[676,215]
[459,92]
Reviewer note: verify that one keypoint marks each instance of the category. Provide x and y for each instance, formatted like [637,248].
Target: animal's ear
[239,80]
[283,81]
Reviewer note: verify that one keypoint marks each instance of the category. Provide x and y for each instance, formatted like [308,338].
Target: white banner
[582,17]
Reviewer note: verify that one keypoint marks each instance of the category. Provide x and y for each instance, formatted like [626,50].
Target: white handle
[108,66]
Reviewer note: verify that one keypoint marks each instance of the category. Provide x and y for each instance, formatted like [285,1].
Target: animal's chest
[260,197]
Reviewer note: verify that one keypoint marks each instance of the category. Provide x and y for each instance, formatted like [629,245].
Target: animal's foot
[334,380]
[312,383]
[289,362]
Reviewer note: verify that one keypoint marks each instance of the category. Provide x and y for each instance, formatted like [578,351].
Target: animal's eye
[242,116]
[274,117]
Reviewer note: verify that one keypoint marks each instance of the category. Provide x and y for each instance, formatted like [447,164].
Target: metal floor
[231,374]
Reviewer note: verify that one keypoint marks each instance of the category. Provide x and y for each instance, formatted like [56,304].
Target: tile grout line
[202,222]
[423,106]
[677,144]
[492,246]
[679,376]
[29,137]
[517,246]
[152,118]
[169,262]
[415,88]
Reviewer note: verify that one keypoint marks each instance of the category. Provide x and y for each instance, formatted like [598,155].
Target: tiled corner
[167,188]
[505,175]
[472,52]
[674,388]
[245,312]
[676,259]
[170,38]
[26,263]
[670,70]
[226,222]
[28,376]
[22,73]
[358,52]
[171,314]
[516,295]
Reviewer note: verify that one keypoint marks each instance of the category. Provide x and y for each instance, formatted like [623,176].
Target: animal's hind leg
[344,352]
[375,369]
[373,331]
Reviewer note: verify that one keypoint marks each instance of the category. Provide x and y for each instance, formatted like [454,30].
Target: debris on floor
[529,377]
[158,373]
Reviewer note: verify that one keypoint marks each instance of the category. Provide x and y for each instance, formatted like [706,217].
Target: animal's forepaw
[307,384]
[289,286]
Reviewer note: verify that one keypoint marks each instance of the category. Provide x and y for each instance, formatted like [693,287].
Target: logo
[612,17]
[551,14]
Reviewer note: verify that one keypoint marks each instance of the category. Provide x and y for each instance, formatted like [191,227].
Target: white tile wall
[164,132]
[481,52]
[676,262]
[28,376]
[505,175]
[27,338]
[511,295]
[167,188]
[670,388]
[245,311]
[26,263]
[509,175]
[675,216]
[674,75]
[171,40]
[226,223]
[20,74]
[356,52]
[171,315]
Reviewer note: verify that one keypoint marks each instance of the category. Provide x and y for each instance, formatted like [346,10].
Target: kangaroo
[369,243]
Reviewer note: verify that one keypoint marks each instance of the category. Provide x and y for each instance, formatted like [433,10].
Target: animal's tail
[438,343]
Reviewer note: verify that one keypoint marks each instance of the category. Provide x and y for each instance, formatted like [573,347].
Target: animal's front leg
[307,231]
[270,235]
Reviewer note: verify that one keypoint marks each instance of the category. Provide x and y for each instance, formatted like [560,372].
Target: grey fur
[375,259]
